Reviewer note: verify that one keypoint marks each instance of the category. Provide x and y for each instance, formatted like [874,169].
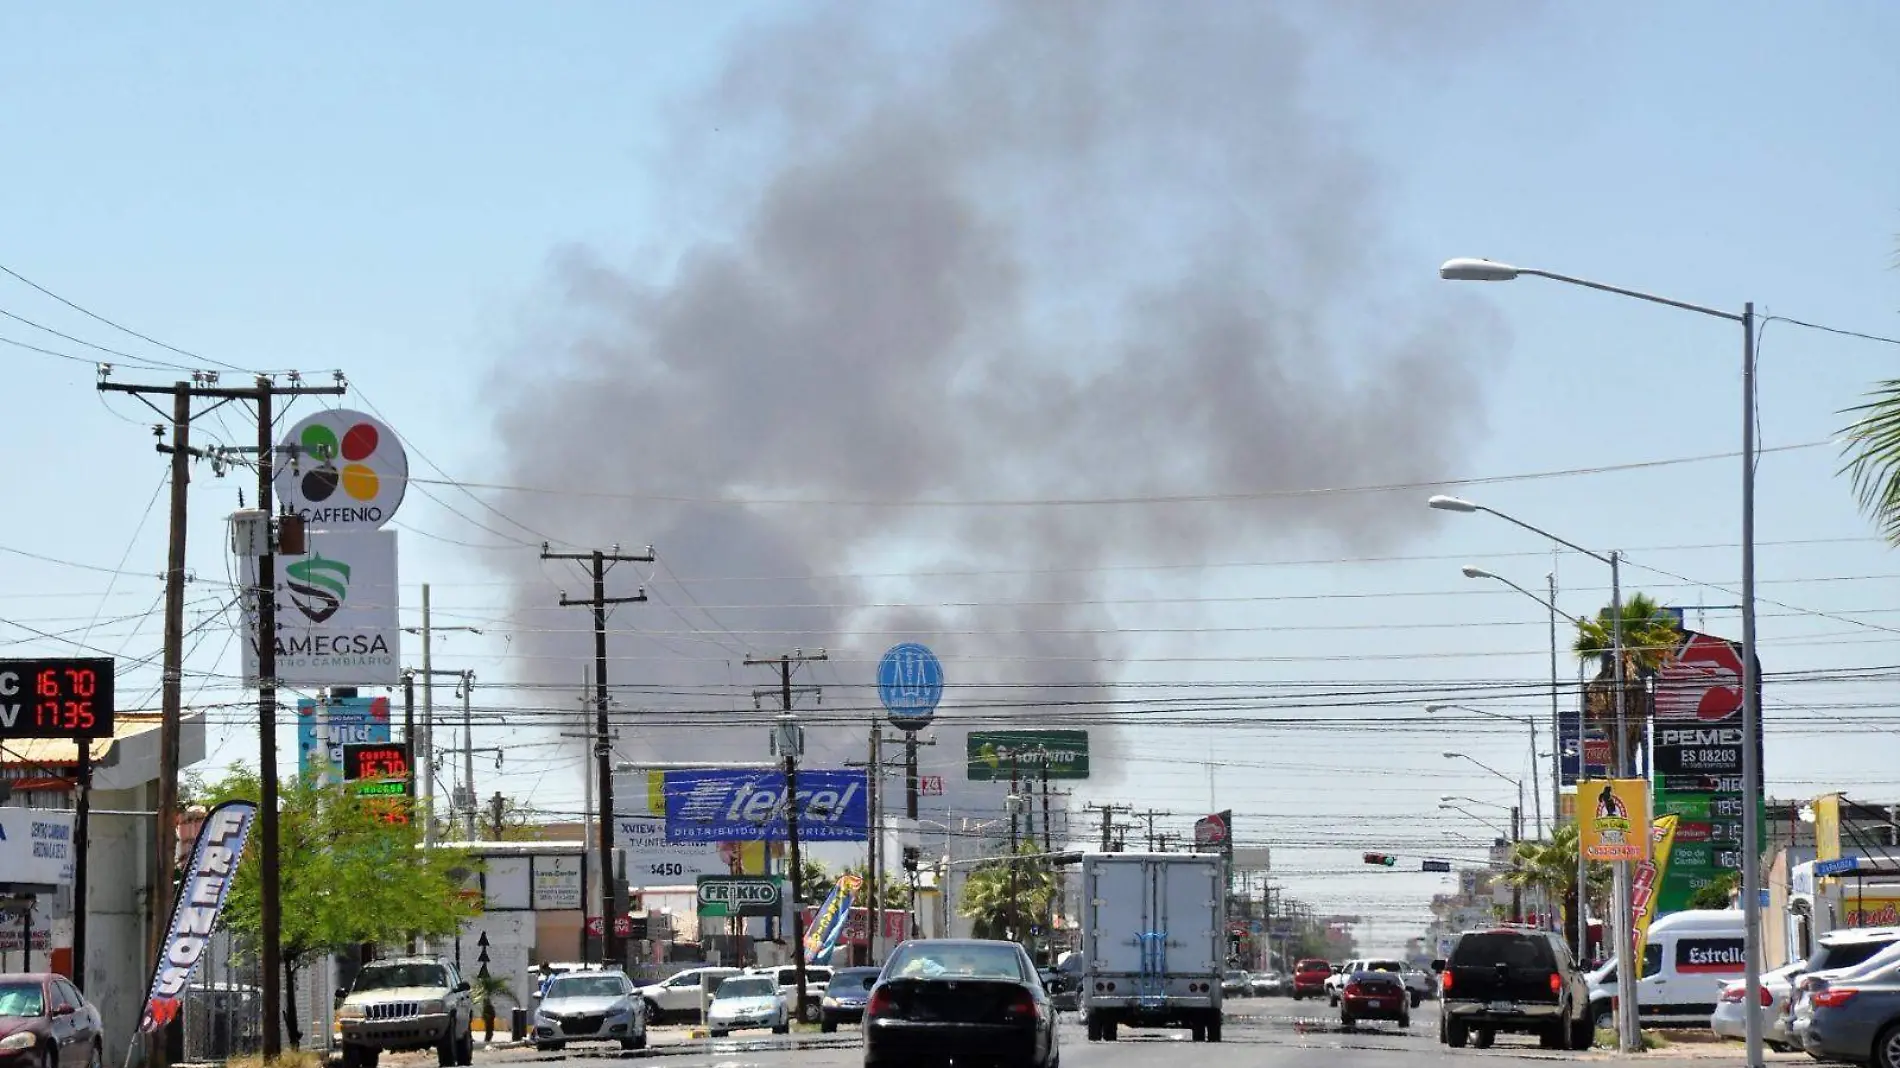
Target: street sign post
[910,683]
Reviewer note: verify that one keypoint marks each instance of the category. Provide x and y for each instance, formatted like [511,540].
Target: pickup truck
[1513,979]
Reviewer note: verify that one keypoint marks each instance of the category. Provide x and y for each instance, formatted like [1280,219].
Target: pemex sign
[995,755]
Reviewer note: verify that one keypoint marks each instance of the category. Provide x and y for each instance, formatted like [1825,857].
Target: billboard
[1696,757]
[36,847]
[1582,754]
[719,805]
[344,471]
[325,727]
[995,755]
[655,860]
[336,612]
[1613,815]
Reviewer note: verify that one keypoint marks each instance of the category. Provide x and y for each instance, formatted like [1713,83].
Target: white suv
[817,979]
[680,995]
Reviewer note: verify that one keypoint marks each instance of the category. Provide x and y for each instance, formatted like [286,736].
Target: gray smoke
[1057,250]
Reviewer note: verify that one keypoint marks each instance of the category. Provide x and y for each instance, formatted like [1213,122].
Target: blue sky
[382,190]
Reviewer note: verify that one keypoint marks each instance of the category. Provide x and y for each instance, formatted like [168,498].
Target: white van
[1689,958]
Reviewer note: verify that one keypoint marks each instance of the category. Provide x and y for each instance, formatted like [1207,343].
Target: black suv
[1513,979]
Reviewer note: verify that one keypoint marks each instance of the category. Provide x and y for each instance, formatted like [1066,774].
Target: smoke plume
[1042,251]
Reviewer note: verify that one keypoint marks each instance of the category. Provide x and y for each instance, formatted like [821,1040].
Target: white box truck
[1152,942]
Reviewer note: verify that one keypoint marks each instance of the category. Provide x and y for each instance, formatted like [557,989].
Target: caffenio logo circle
[342,470]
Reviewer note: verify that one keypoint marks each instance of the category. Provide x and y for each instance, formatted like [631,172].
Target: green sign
[994,754]
[740,895]
[1708,842]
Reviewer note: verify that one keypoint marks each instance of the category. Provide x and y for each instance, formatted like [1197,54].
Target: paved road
[1261,1033]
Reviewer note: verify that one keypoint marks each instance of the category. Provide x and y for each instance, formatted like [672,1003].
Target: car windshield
[1378,977]
[923,960]
[1487,950]
[586,986]
[850,979]
[396,976]
[21,999]
[1849,954]
[1384,966]
[750,986]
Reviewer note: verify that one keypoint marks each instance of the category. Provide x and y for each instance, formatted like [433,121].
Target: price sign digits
[47,698]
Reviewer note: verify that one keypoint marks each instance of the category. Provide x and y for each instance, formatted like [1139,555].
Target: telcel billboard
[727,805]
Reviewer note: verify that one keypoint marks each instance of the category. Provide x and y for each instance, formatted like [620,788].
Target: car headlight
[18,1040]
[431,1008]
[829,1002]
[350,1012]
[543,1018]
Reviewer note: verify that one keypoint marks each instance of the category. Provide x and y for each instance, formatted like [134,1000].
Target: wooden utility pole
[1108,820]
[613,948]
[261,394]
[789,737]
[1151,815]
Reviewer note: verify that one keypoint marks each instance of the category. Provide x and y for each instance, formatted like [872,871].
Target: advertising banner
[653,859]
[1827,827]
[718,805]
[1215,833]
[1615,818]
[1871,910]
[205,883]
[36,847]
[343,471]
[557,883]
[324,728]
[993,754]
[1582,754]
[1697,760]
[821,934]
[1647,882]
[336,612]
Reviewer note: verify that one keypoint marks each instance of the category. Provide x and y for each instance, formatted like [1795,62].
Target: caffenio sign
[740,895]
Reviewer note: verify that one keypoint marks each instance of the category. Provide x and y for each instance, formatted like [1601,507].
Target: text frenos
[207,883]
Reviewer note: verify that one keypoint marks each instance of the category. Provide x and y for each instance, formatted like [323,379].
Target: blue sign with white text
[735,805]
[1571,748]
[324,728]
[910,683]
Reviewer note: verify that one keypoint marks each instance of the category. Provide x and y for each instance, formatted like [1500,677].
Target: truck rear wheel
[1455,1035]
[1095,1030]
[1197,1032]
[1213,1029]
[1111,1030]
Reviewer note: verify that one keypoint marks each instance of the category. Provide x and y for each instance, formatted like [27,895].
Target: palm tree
[1650,639]
[1000,903]
[1871,446]
[1552,867]
[486,990]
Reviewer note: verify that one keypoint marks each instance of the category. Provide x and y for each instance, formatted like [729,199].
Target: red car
[1375,996]
[45,1022]
[1309,978]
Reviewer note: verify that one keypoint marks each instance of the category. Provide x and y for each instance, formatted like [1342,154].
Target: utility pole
[875,914]
[409,732]
[261,393]
[426,754]
[1150,816]
[789,738]
[496,809]
[1108,817]
[468,754]
[613,949]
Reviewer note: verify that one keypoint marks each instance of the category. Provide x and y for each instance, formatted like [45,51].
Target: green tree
[1870,447]
[346,877]
[1552,867]
[896,893]
[1002,902]
[1719,893]
[1650,640]
[487,991]
[814,879]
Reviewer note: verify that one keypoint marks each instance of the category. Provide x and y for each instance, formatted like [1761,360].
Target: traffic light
[1386,859]
[911,856]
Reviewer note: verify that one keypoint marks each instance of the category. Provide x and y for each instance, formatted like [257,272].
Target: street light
[1478,270]
[1471,800]
[1556,718]
[1502,833]
[1627,1029]
[1530,721]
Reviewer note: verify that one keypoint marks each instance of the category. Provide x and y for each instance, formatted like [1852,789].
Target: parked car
[45,1022]
[1309,977]
[1817,979]
[745,1001]
[1730,1019]
[1857,1020]
[1268,984]
[590,1006]
[845,995]
[1064,986]
[1513,979]
[679,996]
[959,998]
[407,1003]
[817,977]
[1374,995]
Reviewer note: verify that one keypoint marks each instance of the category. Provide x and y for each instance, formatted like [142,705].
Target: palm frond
[1871,447]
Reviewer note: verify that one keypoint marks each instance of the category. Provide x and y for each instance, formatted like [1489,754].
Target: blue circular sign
[910,683]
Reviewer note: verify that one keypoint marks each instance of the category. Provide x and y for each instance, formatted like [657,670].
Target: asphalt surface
[1260,1033]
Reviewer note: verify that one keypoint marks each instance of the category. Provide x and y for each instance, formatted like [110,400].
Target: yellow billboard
[1827,827]
[1615,814]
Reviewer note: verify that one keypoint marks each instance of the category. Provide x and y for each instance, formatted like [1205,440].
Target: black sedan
[964,999]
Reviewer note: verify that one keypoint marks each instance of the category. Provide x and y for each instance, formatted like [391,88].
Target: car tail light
[881,1004]
[1830,999]
[1556,983]
[1446,980]
[1734,993]
[1024,1007]
[1354,990]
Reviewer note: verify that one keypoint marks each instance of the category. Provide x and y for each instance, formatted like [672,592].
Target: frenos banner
[204,885]
[750,806]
